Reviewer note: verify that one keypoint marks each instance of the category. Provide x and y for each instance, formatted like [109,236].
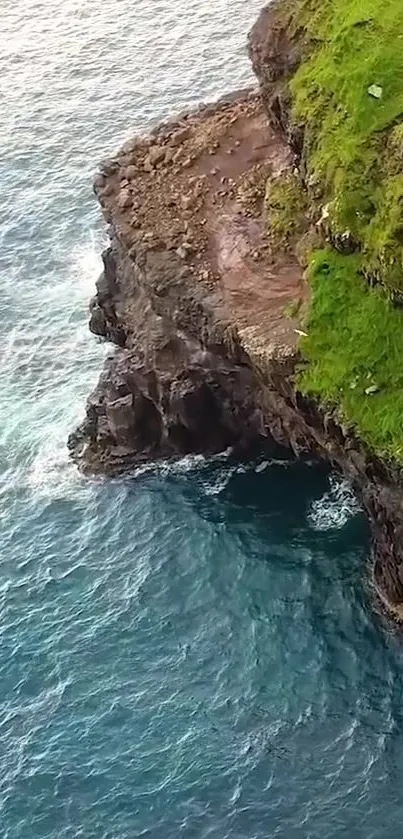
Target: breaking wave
[335,508]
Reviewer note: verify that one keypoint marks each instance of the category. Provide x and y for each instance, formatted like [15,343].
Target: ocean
[193,650]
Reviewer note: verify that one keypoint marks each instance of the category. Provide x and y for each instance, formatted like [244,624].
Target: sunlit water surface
[191,652]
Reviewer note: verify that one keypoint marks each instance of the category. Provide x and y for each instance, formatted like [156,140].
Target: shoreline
[206,312]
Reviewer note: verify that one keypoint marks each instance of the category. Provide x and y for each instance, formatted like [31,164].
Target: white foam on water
[51,472]
[87,263]
[236,794]
[219,481]
[189,464]
[53,475]
[335,508]
[218,471]
[214,471]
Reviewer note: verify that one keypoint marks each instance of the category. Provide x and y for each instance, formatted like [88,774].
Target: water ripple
[188,651]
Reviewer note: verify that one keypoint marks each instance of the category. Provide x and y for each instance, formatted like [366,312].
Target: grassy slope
[355,150]
[354,146]
[355,351]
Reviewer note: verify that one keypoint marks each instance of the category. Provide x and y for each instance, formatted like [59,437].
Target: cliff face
[190,288]
[198,302]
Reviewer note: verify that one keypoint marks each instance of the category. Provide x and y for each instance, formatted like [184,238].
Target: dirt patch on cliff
[188,201]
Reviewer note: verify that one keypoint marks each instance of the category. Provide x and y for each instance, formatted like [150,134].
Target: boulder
[131,172]
[124,199]
[180,136]
[155,155]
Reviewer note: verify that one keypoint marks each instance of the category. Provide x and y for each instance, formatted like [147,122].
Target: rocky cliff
[206,302]
[191,290]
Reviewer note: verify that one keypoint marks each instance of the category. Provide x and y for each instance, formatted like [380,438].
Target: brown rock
[180,136]
[155,154]
[120,417]
[109,166]
[124,199]
[108,189]
[131,172]
[98,323]
[129,146]
[99,180]
[169,155]
[171,243]
[187,201]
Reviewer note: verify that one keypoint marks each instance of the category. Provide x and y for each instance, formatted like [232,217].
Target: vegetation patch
[286,206]
[353,351]
[348,93]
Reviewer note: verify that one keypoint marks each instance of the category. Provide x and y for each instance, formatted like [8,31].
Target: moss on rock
[286,206]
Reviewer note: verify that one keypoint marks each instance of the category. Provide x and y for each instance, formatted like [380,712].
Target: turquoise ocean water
[191,651]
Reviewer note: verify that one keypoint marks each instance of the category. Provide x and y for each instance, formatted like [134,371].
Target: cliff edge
[247,300]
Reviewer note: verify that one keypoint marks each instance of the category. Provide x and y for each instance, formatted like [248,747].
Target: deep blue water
[193,651]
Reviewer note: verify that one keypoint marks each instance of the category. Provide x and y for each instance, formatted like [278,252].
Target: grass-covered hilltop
[347,93]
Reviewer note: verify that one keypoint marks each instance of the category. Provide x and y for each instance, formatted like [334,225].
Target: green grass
[286,205]
[354,346]
[354,141]
[353,163]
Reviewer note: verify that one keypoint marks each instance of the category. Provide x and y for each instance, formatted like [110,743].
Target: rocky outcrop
[275,56]
[189,287]
[198,305]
